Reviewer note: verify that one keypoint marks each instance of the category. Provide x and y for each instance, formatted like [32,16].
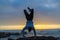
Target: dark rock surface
[36,38]
[3,34]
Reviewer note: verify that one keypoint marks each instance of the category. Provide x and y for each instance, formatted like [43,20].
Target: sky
[46,12]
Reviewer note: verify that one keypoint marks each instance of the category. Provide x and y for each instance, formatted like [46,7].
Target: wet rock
[10,39]
[38,38]
[3,34]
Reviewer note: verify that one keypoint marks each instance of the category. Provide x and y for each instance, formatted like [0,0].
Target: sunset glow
[38,27]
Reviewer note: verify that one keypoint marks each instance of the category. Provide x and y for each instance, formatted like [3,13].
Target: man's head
[29,29]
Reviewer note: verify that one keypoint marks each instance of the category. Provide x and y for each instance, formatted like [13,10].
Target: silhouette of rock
[14,33]
[38,38]
[10,39]
[3,34]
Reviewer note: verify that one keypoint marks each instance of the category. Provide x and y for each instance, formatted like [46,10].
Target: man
[29,24]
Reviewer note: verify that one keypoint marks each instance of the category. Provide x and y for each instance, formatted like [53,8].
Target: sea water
[55,33]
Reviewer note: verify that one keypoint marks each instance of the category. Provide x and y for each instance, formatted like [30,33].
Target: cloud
[47,4]
[13,9]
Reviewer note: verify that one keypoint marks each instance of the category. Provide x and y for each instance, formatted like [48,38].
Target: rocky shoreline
[4,35]
[36,38]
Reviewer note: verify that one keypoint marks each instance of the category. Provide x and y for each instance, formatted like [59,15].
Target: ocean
[53,32]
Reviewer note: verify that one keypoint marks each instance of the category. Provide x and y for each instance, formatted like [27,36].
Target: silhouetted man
[29,24]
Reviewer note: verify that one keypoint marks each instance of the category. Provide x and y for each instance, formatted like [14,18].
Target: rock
[3,34]
[10,39]
[38,38]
